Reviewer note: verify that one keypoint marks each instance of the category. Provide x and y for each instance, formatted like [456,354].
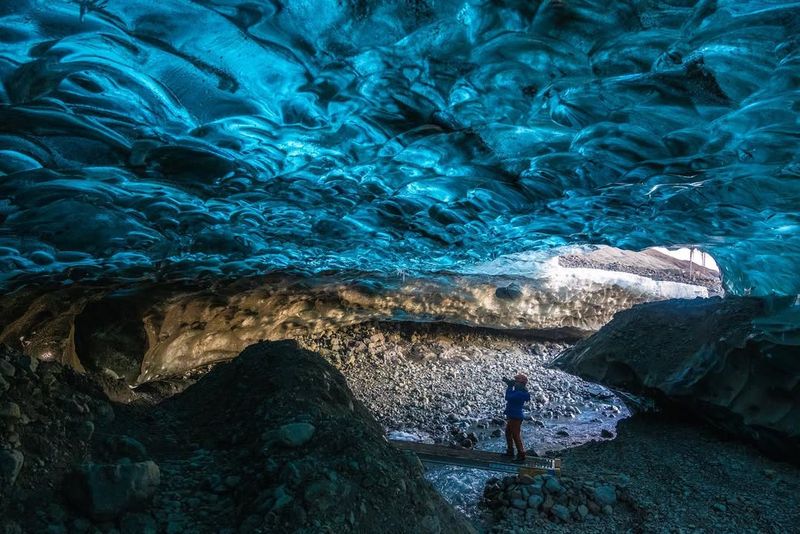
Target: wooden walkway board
[488,461]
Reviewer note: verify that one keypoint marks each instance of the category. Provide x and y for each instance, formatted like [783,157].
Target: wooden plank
[489,461]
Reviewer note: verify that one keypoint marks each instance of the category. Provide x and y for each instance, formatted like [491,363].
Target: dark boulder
[734,362]
[317,461]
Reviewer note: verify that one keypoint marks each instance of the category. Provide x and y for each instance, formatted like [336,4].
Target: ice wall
[213,138]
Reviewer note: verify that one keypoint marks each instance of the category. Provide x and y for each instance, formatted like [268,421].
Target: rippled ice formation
[208,138]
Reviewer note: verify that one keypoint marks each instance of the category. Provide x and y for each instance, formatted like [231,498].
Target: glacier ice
[216,139]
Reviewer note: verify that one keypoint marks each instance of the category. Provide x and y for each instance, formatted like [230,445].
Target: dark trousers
[514,436]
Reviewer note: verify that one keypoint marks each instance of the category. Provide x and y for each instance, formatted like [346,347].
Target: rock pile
[527,499]
[50,452]
[309,456]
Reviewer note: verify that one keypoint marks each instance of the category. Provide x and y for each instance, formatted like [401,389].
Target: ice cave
[408,266]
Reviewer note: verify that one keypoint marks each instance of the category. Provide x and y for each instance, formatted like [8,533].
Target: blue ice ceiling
[223,138]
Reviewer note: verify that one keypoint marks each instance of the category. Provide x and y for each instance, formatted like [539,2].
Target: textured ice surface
[214,138]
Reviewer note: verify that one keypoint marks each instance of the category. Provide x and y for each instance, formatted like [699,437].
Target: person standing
[516,396]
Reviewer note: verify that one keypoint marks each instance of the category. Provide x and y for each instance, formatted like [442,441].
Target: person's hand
[508,381]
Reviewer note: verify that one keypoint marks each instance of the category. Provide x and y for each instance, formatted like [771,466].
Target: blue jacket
[514,401]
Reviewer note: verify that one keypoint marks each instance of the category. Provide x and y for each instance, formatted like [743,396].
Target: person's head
[520,381]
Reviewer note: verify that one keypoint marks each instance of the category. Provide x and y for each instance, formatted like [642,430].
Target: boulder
[732,362]
[106,491]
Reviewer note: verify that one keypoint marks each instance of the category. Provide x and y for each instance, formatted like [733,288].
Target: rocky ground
[444,381]
[272,442]
[659,475]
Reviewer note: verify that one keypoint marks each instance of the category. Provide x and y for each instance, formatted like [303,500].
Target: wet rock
[106,491]
[296,434]
[534,501]
[11,462]
[605,433]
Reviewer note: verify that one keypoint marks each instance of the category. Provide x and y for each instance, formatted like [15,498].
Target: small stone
[6,369]
[561,512]
[296,434]
[583,511]
[3,385]
[719,507]
[232,481]
[520,504]
[562,433]
[605,495]
[552,485]
[534,501]
[605,433]
[608,510]
[496,433]
[9,410]
[10,466]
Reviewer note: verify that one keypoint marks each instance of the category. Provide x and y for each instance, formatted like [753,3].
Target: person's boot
[520,459]
[509,453]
